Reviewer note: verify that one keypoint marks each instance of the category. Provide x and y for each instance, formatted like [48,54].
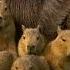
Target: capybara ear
[59,29]
[39,28]
[23,28]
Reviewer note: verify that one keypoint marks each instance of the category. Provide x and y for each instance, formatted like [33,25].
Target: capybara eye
[37,38]
[63,39]
[16,68]
[5,8]
[23,37]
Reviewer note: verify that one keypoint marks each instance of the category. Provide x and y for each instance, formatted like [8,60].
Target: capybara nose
[30,49]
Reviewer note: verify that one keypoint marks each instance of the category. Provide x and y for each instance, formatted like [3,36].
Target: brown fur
[58,50]
[7,29]
[30,13]
[55,52]
[31,42]
[30,62]
[6,60]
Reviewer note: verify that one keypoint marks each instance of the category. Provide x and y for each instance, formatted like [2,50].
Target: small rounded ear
[23,27]
[59,29]
[39,28]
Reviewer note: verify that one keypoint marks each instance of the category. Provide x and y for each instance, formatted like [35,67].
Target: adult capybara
[47,13]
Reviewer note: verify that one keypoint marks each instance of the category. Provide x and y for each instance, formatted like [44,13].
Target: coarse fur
[7,30]
[31,42]
[6,60]
[30,62]
[47,13]
[58,50]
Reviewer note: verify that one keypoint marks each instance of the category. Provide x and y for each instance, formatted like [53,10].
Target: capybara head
[32,40]
[63,39]
[59,50]
[62,42]
[30,62]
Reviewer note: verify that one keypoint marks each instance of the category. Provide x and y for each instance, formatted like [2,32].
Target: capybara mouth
[34,52]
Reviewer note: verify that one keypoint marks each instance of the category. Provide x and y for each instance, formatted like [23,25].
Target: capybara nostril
[31,49]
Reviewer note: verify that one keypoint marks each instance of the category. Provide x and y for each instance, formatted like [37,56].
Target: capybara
[30,62]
